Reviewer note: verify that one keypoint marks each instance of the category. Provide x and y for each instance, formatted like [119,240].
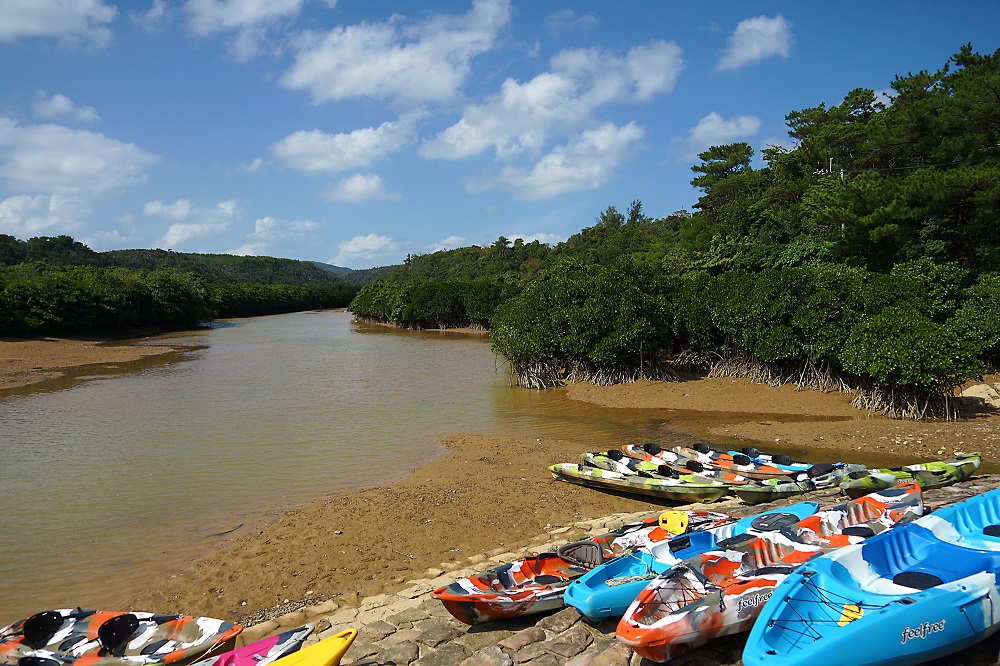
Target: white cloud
[449,243]
[153,18]
[585,163]
[25,216]
[714,130]
[567,20]
[178,210]
[363,251]
[520,119]
[757,39]
[249,20]
[317,151]
[60,107]
[268,231]
[72,22]
[191,223]
[359,188]
[541,237]
[405,63]
[53,159]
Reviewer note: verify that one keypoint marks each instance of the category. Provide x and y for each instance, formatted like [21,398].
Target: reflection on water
[108,483]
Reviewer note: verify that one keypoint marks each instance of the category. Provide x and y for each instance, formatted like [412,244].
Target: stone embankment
[410,628]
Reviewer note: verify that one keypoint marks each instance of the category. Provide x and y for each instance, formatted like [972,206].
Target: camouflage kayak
[111,638]
[617,461]
[820,476]
[684,488]
[721,592]
[928,475]
[685,459]
[537,584]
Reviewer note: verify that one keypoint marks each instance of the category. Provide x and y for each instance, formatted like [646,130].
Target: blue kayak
[607,590]
[914,593]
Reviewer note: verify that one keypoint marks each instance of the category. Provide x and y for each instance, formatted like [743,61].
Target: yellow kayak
[327,652]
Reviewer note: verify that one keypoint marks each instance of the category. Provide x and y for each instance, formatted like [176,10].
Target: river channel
[113,480]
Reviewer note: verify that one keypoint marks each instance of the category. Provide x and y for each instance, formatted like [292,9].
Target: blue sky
[355,133]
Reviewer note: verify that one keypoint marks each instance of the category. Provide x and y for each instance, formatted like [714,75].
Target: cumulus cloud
[521,118]
[72,22]
[396,60]
[714,130]
[359,188]
[247,20]
[189,222]
[365,251]
[26,216]
[53,159]
[757,39]
[268,231]
[60,107]
[317,151]
[585,163]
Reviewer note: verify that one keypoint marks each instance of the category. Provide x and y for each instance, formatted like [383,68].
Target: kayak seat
[114,633]
[918,580]
[39,629]
[37,661]
[154,646]
[547,579]
[773,522]
[911,556]
[992,530]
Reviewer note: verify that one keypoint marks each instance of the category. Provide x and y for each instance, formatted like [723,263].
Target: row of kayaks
[702,474]
[81,637]
[869,581]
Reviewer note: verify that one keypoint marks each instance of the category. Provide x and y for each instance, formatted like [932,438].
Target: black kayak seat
[992,530]
[37,661]
[819,469]
[547,579]
[114,633]
[773,522]
[918,580]
[859,530]
[39,629]
[651,448]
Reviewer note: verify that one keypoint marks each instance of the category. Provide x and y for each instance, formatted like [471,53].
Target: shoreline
[488,493]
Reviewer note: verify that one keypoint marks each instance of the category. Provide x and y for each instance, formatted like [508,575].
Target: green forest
[863,257]
[59,285]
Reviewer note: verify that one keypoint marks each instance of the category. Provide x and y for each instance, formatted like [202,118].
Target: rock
[523,638]
[491,656]
[378,630]
[403,652]
[616,655]
[561,621]
[408,616]
[984,392]
[569,643]
[438,635]
[446,655]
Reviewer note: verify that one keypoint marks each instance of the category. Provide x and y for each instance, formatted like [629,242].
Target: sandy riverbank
[490,491]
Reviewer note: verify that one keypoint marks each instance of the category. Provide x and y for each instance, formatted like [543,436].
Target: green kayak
[769,490]
[685,488]
[928,475]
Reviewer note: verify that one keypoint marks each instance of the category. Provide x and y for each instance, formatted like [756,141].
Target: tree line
[59,285]
[864,256]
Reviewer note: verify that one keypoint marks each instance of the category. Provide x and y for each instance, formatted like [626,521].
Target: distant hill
[213,268]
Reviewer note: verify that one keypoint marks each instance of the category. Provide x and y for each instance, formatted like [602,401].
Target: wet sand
[490,492]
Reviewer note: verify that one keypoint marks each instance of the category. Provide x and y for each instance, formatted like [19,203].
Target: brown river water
[111,481]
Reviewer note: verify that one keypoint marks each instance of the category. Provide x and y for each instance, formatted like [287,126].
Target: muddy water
[111,481]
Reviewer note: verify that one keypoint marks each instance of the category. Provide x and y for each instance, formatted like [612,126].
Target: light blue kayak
[607,590]
[912,594]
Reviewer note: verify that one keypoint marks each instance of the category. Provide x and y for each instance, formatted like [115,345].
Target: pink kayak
[262,652]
